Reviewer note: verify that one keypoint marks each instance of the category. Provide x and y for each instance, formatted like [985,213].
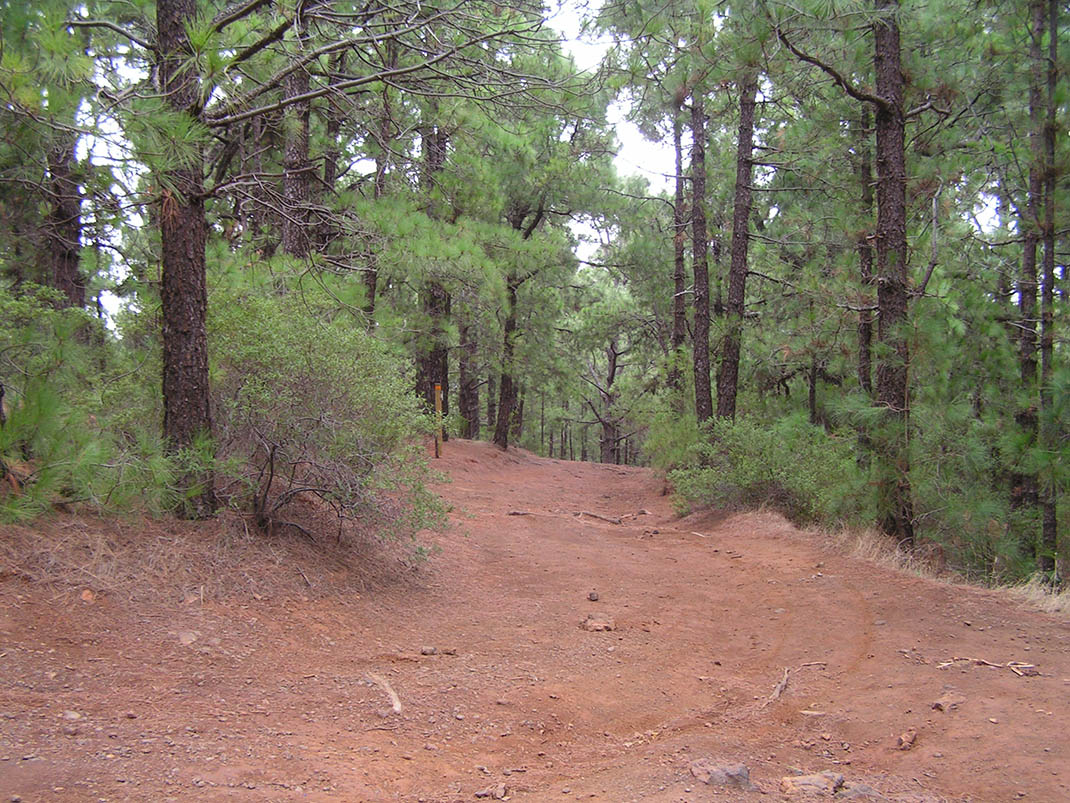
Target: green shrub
[308,405]
[790,465]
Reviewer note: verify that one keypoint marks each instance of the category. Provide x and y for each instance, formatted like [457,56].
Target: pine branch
[845,85]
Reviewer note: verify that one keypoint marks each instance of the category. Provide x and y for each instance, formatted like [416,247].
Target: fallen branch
[379,680]
[783,683]
[610,519]
[1019,668]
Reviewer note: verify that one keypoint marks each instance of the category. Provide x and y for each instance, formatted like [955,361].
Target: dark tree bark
[432,362]
[183,294]
[1024,486]
[297,167]
[865,258]
[1049,428]
[728,375]
[526,220]
[468,392]
[507,390]
[492,402]
[895,507]
[63,227]
[699,256]
[516,429]
[679,274]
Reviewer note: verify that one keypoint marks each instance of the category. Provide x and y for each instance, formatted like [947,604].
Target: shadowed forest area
[241,244]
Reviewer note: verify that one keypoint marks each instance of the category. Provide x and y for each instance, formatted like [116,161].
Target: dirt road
[473,676]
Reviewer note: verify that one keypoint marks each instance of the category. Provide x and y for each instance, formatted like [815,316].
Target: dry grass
[928,561]
[141,558]
[1041,595]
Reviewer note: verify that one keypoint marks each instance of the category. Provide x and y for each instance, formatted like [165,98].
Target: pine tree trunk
[1024,485]
[468,393]
[64,224]
[183,293]
[1049,435]
[865,257]
[699,255]
[297,168]
[895,509]
[432,363]
[679,274]
[728,375]
[507,391]
[492,402]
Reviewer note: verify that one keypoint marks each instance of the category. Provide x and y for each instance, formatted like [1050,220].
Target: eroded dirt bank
[501,691]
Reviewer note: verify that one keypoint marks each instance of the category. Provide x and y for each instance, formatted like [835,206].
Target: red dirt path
[286,699]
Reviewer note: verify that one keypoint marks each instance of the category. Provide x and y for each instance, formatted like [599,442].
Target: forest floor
[735,640]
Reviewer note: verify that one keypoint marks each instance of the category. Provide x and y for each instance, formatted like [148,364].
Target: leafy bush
[790,465]
[308,405]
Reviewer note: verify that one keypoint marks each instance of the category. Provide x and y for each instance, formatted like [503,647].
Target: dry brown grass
[140,558]
[1041,595]
[873,547]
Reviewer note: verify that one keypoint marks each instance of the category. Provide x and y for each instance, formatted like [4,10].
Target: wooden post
[438,420]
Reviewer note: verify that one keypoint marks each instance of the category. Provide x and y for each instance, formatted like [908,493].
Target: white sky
[637,155]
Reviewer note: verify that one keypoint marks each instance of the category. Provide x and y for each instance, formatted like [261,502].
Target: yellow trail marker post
[438,420]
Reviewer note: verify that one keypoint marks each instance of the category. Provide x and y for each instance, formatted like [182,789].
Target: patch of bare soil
[572,640]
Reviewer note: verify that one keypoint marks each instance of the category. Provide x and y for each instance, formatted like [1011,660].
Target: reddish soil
[288,698]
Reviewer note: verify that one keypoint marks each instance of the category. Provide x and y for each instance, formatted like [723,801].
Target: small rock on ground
[596,623]
[820,783]
[709,772]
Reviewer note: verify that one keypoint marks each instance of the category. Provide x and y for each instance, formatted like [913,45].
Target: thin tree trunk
[507,391]
[895,507]
[516,429]
[433,353]
[183,292]
[699,255]
[64,224]
[492,401]
[1024,485]
[468,395]
[679,274]
[865,257]
[297,167]
[728,375]
[1049,428]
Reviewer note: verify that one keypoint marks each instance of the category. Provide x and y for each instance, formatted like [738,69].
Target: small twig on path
[379,680]
[700,535]
[783,683]
[520,513]
[1017,667]
[610,519]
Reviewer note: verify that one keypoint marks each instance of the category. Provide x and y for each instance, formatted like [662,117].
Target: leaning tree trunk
[895,508]
[183,294]
[64,223]
[699,256]
[728,375]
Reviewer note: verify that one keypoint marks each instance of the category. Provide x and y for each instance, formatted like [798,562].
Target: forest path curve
[474,675]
